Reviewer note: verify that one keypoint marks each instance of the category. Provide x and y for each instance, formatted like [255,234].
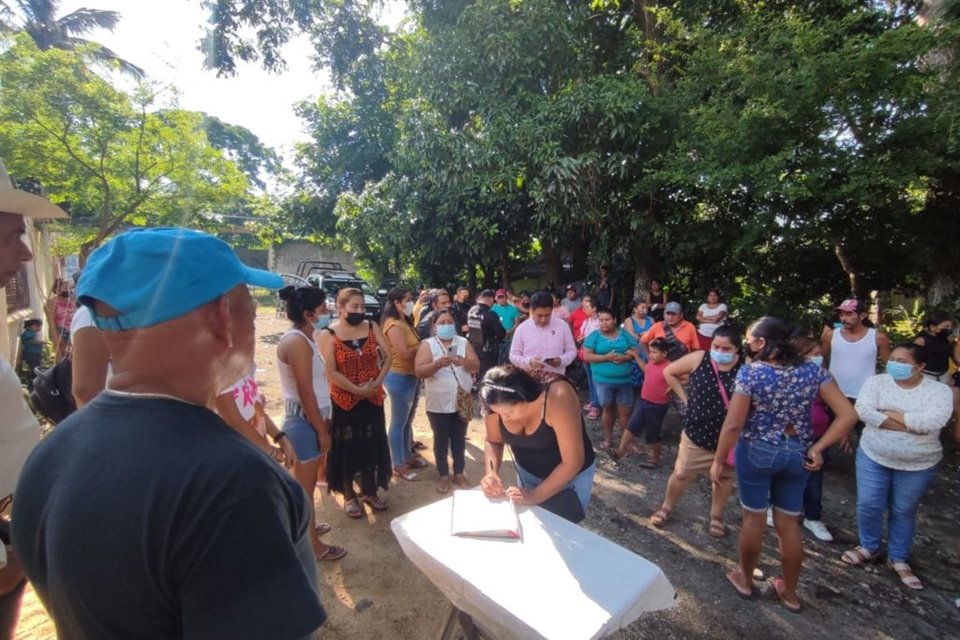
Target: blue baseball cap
[154,275]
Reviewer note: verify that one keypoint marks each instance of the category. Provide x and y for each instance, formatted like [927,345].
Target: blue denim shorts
[772,474]
[623,394]
[647,420]
[303,437]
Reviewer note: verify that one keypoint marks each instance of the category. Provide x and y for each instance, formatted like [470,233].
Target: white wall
[40,275]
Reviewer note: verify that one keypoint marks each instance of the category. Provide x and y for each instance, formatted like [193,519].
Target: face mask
[408,308]
[321,322]
[817,360]
[720,357]
[355,318]
[899,370]
[446,331]
[944,333]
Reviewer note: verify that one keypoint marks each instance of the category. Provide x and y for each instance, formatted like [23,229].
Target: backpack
[52,395]
[675,348]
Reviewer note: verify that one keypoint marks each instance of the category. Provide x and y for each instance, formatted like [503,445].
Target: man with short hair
[543,344]
[604,288]
[571,301]
[679,334]
[509,315]
[439,301]
[144,515]
[461,307]
[19,430]
[851,352]
[486,332]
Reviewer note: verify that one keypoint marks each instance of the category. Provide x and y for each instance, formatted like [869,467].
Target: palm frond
[84,21]
[38,10]
[101,53]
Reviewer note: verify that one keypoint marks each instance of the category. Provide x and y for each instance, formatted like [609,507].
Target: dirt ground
[375,592]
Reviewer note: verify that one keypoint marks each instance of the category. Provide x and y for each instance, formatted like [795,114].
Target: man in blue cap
[144,515]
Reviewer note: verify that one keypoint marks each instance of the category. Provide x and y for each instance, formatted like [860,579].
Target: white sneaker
[769,517]
[818,529]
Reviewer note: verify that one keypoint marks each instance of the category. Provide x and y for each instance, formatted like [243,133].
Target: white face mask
[408,308]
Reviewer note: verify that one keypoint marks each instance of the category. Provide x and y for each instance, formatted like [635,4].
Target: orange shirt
[686,333]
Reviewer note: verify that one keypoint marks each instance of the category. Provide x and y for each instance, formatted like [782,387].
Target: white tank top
[852,363]
[288,384]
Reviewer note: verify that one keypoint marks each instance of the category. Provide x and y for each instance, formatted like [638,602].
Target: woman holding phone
[446,362]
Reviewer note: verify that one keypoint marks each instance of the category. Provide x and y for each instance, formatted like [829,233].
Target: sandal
[634,450]
[717,529]
[743,592]
[376,502]
[353,509]
[777,587]
[649,464]
[322,528]
[905,573]
[858,556]
[461,480]
[332,553]
[406,474]
[660,517]
[417,446]
[417,463]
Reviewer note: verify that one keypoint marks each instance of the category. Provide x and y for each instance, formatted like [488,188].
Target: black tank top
[705,408]
[539,452]
[937,351]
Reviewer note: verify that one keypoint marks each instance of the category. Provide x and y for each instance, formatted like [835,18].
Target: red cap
[500,292]
[849,305]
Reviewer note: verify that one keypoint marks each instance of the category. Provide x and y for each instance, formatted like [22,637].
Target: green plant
[903,324]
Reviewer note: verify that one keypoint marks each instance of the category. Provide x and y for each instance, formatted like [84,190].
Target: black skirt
[359,445]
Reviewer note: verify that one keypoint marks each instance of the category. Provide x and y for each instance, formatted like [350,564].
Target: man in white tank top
[851,352]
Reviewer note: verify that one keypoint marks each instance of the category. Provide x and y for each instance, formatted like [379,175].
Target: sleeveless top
[937,351]
[357,361]
[853,363]
[398,364]
[288,384]
[705,409]
[539,452]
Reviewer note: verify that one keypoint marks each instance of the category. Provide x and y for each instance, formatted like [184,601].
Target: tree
[108,157]
[38,19]
[244,148]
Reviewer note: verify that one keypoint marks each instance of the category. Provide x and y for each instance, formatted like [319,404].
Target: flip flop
[746,595]
[418,446]
[646,464]
[417,463]
[717,529]
[332,553]
[660,517]
[409,476]
[322,528]
[777,586]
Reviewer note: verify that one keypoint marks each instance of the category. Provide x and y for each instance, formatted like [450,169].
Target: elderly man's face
[13,249]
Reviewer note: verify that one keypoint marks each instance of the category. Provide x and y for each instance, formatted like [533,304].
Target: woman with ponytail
[769,423]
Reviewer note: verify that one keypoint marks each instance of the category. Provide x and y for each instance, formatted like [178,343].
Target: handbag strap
[723,389]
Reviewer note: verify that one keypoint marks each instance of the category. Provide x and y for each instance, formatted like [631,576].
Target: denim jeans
[594,400]
[771,474]
[582,483]
[882,489]
[402,389]
[813,494]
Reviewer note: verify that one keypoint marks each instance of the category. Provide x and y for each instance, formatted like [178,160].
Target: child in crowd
[649,412]
[31,346]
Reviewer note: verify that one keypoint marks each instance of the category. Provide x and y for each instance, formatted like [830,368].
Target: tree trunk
[578,253]
[848,268]
[504,266]
[941,290]
[554,262]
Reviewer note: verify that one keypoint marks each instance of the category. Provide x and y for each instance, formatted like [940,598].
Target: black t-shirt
[152,518]
[706,410]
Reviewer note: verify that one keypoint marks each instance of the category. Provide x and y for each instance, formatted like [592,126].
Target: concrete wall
[40,275]
[285,257]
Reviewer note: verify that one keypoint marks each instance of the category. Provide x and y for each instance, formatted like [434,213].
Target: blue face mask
[899,370]
[720,357]
[817,360]
[321,323]
[446,331]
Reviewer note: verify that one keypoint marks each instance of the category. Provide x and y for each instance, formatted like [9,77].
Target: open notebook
[477,516]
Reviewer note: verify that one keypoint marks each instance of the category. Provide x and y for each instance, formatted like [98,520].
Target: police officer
[486,332]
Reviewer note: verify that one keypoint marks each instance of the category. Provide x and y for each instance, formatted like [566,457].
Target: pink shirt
[552,341]
[654,384]
[562,313]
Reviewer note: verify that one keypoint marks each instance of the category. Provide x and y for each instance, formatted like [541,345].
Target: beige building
[24,296]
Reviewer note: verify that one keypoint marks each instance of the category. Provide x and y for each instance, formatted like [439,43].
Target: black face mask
[749,352]
[355,318]
[944,333]
[64,294]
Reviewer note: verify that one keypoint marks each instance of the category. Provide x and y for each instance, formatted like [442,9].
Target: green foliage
[106,156]
[902,324]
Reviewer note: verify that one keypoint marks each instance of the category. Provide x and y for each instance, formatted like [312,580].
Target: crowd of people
[178,439]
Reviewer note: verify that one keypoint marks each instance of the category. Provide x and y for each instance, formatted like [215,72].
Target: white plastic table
[560,581]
